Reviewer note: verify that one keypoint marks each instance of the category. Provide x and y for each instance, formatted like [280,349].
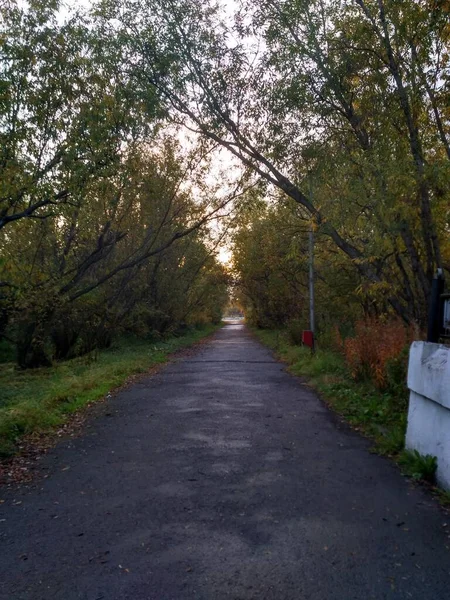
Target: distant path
[221,477]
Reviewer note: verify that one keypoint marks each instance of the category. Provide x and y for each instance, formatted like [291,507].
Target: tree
[271,261]
[78,279]
[96,198]
[66,112]
[328,84]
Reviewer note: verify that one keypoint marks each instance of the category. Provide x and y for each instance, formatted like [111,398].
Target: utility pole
[311,283]
[311,275]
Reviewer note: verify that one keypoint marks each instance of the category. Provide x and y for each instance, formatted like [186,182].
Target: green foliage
[443,497]
[102,213]
[295,330]
[393,440]
[396,374]
[36,401]
[419,466]
[270,257]
[66,113]
[270,272]
[6,351]
[344,109]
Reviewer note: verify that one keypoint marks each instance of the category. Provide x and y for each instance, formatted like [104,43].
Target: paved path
[222,477]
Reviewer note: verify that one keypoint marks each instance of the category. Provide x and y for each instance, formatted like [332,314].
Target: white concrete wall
[428,428]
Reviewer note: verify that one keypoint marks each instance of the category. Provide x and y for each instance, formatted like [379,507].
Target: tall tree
[67,113]
[293,87]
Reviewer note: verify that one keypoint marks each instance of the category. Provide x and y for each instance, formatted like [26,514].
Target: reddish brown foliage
[375,343]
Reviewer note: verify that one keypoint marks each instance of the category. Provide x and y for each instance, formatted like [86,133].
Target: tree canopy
[130,128]
[343,106]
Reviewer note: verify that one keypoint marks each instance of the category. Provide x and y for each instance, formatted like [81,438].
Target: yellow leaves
[374,290]
[363,260]
[108,100]
[442,5]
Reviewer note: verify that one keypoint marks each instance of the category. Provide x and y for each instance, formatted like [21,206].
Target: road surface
[221,477]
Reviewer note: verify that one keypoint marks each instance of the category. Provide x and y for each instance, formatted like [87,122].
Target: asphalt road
[221,477]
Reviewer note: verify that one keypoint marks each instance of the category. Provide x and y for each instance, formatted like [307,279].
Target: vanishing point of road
[221,477]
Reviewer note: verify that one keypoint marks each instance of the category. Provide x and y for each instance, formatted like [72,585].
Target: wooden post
[312,325]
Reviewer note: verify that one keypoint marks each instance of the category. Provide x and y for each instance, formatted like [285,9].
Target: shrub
[375,345]
[295,331]
[396,373]
[6,351]
[331,338]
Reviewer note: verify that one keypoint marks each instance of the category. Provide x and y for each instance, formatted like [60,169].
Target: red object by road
[308,338]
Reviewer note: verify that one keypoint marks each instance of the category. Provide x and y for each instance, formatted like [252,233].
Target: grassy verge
[380,416]
[39,400]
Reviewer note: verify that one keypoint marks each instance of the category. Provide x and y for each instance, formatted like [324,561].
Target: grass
[379,415]
[443,497]
[38,401]
[419,466]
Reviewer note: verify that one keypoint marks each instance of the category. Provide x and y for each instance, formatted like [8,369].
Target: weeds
[443,496]
[377,352]
[419,466]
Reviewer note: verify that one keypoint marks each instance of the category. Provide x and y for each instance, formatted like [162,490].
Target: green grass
[381,416]
[419,466]
[40,400]
[443,497]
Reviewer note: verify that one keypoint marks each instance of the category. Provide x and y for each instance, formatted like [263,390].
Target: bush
[295,332]
[6,351]
[397,372]
[375,352]
[33,347]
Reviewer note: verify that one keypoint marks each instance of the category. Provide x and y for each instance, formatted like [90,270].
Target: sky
[224,256]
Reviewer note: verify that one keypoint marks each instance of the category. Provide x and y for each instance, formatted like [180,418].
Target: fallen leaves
[124,569]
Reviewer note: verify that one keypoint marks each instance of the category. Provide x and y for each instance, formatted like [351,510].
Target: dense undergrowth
[36,401]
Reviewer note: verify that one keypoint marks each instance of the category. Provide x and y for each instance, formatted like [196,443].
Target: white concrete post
[428,429]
